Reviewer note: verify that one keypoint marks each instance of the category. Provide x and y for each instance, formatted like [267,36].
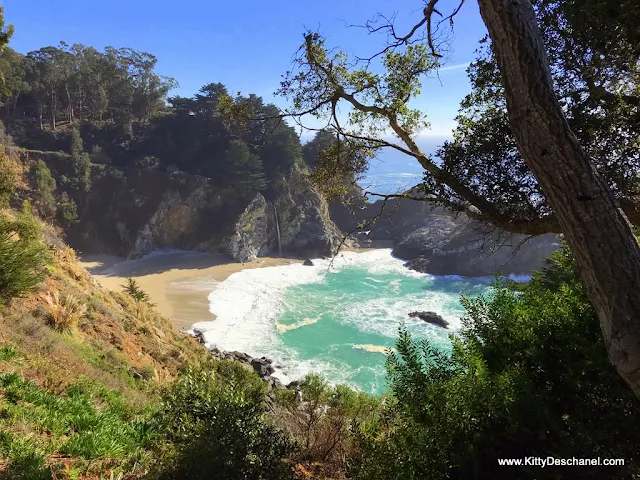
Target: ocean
[394,172]
[335,319]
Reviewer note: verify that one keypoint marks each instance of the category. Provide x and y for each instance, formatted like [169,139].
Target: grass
[64,312]
[88,422]
[8,352]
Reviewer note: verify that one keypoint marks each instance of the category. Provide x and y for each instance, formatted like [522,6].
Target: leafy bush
[23,256]
[8,177]
[66,210]
[528,376]
[321,421]
[214,419]
[44,188]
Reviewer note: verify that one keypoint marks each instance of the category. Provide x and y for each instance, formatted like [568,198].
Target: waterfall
[275,214]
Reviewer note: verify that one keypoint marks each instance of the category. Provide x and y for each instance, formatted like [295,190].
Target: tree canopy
[594,59]
[114,106]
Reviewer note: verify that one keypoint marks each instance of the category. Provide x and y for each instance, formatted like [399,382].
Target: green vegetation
[45,186]
[215,419]
[8,177]
[81,165]
[66,210]
[23,254]
[114,105]
[87,421]
[529,376]
[133,289]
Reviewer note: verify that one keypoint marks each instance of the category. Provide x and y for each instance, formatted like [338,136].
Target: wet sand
[177,282]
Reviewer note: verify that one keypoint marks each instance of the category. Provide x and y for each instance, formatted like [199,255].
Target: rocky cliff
[437,241]
[300,213]
[131,212]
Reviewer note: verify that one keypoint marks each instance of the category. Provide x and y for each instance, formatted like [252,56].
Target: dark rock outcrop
[308,263]
[430,317]
[262,366]
[132,212]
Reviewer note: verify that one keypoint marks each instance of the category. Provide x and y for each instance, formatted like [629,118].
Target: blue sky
[245,44]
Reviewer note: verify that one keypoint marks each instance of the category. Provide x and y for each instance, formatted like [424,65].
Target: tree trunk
[66,87]
[598,232]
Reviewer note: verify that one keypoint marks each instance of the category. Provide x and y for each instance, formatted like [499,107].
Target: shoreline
[177,282]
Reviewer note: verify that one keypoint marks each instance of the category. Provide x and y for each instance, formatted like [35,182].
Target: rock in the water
[308,263]
[420,264]
[430,317]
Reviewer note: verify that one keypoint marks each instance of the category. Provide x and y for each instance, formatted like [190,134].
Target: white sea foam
[249,302]
[384,315]
[522,278]
[281,328]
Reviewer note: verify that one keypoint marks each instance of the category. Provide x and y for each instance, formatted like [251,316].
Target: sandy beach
[177,282]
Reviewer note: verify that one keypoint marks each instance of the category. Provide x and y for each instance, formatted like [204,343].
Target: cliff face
[302,217]
[437,241]
[130,213]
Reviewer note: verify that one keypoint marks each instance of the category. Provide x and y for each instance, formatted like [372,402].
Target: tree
[243,168]
[132,288]
[81,163]
[45,187]
[322,140]
[581,204]
[589,215]
[5,36]
[213,416]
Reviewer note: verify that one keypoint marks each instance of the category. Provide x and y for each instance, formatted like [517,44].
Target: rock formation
[430,317]
[130,213]
[437,241]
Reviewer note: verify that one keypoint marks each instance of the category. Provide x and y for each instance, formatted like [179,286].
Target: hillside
[78,365]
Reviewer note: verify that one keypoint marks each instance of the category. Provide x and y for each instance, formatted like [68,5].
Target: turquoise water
[335,321]
[353,311]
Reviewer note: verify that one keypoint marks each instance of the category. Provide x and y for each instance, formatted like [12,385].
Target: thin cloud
[454,67]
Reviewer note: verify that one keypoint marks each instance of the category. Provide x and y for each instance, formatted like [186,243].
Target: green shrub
[66,210]
[88,421]
[8,352]
[214,419]
[8,177]
[323,421]
[23,256]
[44,188]
[528,376]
